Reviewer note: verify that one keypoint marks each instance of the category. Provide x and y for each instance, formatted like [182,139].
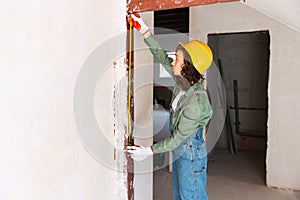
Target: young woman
[191,111]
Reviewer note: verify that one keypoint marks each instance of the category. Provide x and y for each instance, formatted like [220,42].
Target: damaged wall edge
[129,140]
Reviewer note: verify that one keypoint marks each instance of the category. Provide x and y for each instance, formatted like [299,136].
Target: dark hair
[189,72]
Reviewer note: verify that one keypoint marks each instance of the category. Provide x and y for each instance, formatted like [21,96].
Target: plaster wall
[143,105]
[43,46]
[282,161]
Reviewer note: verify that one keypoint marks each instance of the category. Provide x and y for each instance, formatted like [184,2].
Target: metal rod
[237,123]
[237,117]
[252,134]
[244,108]
[231,139]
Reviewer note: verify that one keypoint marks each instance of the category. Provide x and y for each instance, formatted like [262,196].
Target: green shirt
[193,108]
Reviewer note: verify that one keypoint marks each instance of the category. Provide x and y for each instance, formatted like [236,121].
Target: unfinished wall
[282,160]
[43,46]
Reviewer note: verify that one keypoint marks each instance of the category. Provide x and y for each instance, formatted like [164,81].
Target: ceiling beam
[152,5]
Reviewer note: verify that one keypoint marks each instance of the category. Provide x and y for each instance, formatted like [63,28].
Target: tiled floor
[230,177]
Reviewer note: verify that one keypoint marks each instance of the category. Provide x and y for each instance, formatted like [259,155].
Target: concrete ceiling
[284,11]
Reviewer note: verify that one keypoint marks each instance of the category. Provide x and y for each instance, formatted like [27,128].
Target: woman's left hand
[139,153]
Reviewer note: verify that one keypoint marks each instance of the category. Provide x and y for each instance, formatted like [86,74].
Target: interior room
[79,86]
[237,169]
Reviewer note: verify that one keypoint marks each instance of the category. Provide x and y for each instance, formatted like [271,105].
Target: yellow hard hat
[200,54]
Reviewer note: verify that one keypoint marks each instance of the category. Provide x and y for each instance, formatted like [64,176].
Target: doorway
[243,58]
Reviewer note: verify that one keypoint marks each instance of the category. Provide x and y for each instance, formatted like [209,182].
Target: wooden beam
[152,5]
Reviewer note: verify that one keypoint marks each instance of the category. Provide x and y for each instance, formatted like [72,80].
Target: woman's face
[178,63]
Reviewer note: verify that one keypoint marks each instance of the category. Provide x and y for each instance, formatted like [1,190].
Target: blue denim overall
[189,169]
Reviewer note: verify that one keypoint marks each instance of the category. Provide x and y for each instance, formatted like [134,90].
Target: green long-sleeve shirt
[193,109]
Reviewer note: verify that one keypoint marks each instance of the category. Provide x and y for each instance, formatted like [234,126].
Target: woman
[191,111]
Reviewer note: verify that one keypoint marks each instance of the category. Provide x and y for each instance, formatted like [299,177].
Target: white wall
[143,106]
[282,160]
[43,45]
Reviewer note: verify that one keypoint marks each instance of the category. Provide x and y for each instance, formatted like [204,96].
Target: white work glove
[139,153]
[138,23]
